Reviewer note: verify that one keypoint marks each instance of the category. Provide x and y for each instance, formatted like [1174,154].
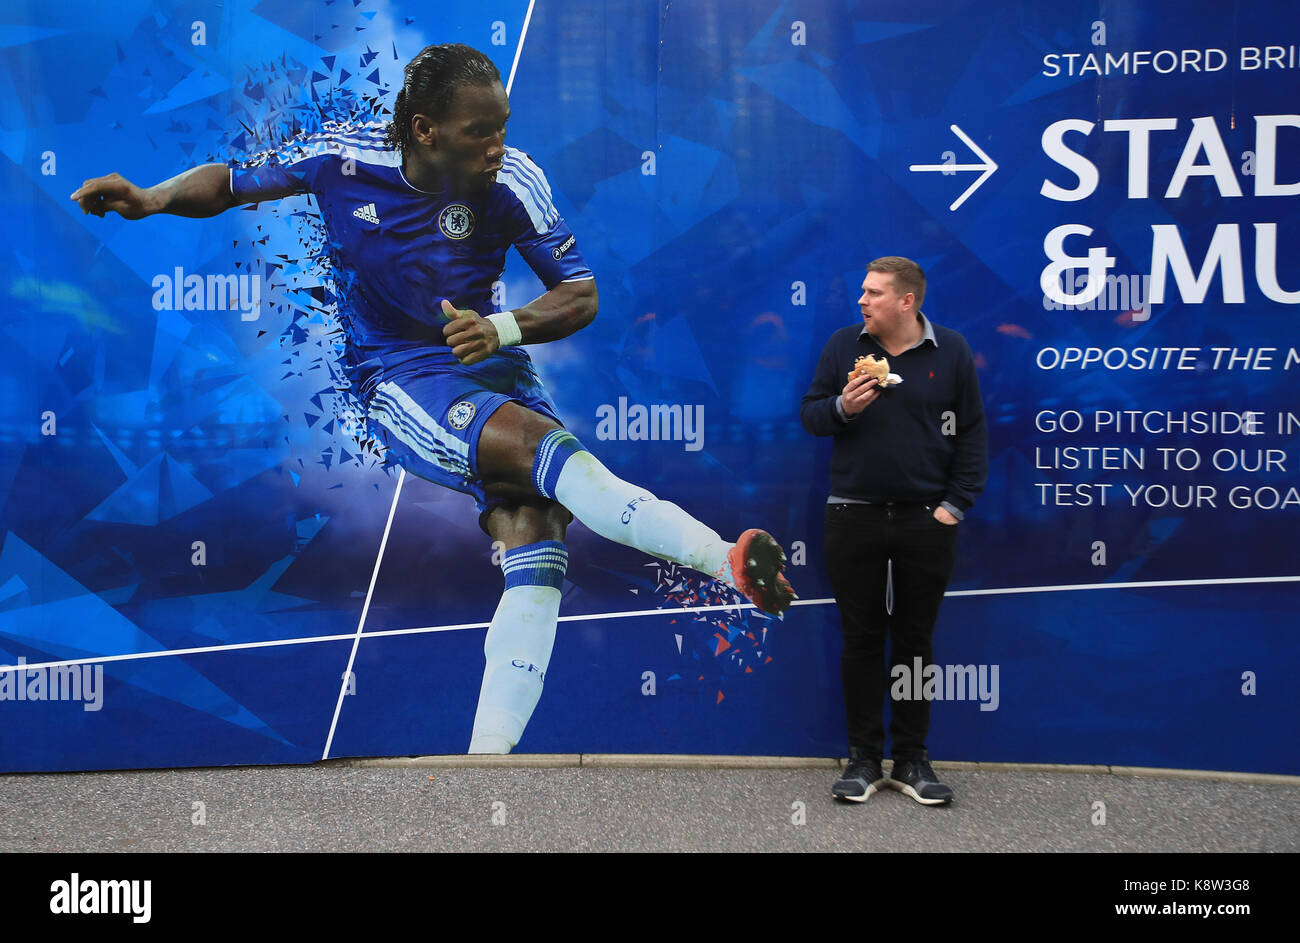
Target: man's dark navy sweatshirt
[923,441]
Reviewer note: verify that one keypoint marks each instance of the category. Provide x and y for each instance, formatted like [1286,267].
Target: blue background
[774,163]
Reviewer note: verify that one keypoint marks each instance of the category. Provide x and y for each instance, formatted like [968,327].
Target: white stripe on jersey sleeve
[366,145]
[374,157]
[527,182]
[537,184]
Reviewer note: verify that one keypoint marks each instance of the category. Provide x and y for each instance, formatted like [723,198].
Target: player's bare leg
[523,448]
[522,632]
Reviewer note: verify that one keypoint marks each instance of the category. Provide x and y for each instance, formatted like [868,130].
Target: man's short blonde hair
[907,275]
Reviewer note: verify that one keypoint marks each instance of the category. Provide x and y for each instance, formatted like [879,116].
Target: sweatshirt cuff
[953,509]
[839,409]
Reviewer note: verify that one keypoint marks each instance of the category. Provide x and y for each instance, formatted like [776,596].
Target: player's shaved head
[432,78]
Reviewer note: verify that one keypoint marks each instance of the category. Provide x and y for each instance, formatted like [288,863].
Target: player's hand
[114,192]
[944,516]
[472,338]
[858,394]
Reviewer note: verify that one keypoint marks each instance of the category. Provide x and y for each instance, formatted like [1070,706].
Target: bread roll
[872,366]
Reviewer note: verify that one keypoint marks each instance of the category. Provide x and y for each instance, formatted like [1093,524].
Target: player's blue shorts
[429,410]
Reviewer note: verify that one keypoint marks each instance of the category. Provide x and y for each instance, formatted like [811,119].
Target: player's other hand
[114,192]
[858,394]
[472,339]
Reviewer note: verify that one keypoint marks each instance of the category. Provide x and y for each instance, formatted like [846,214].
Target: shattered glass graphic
[715,649]
[293,253]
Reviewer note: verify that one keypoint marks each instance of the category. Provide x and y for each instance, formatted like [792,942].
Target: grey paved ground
[341,808]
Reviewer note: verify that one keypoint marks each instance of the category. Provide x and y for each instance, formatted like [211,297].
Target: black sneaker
[860,779]
[916,778]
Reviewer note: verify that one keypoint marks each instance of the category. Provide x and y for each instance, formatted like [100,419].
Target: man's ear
[424,130]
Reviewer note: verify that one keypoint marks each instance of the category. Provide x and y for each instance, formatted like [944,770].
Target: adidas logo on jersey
[367,213]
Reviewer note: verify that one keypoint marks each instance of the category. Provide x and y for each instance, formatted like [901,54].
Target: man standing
[420,216]
[909,460]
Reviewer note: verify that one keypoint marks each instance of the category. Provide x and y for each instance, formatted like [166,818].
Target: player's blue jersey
[401,249]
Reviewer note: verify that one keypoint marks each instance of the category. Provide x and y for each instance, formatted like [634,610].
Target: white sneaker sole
[912,793]
[872,789]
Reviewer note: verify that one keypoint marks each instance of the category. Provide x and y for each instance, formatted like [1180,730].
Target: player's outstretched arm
[565,309]
[198,193]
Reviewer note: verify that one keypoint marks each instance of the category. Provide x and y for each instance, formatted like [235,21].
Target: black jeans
[861,540]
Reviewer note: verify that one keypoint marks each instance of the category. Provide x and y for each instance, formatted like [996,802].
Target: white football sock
[631,515]
[518,646]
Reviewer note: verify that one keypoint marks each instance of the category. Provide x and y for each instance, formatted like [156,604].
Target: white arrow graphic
[988,167]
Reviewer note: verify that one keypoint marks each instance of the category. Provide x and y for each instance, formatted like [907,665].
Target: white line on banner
[520,48]
[1148,584]
[365,611]
[597,616]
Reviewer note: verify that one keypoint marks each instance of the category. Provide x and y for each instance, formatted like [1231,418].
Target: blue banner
[203,561]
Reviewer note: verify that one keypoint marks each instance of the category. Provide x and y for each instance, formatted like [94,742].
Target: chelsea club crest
[461,414]
[456,221]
